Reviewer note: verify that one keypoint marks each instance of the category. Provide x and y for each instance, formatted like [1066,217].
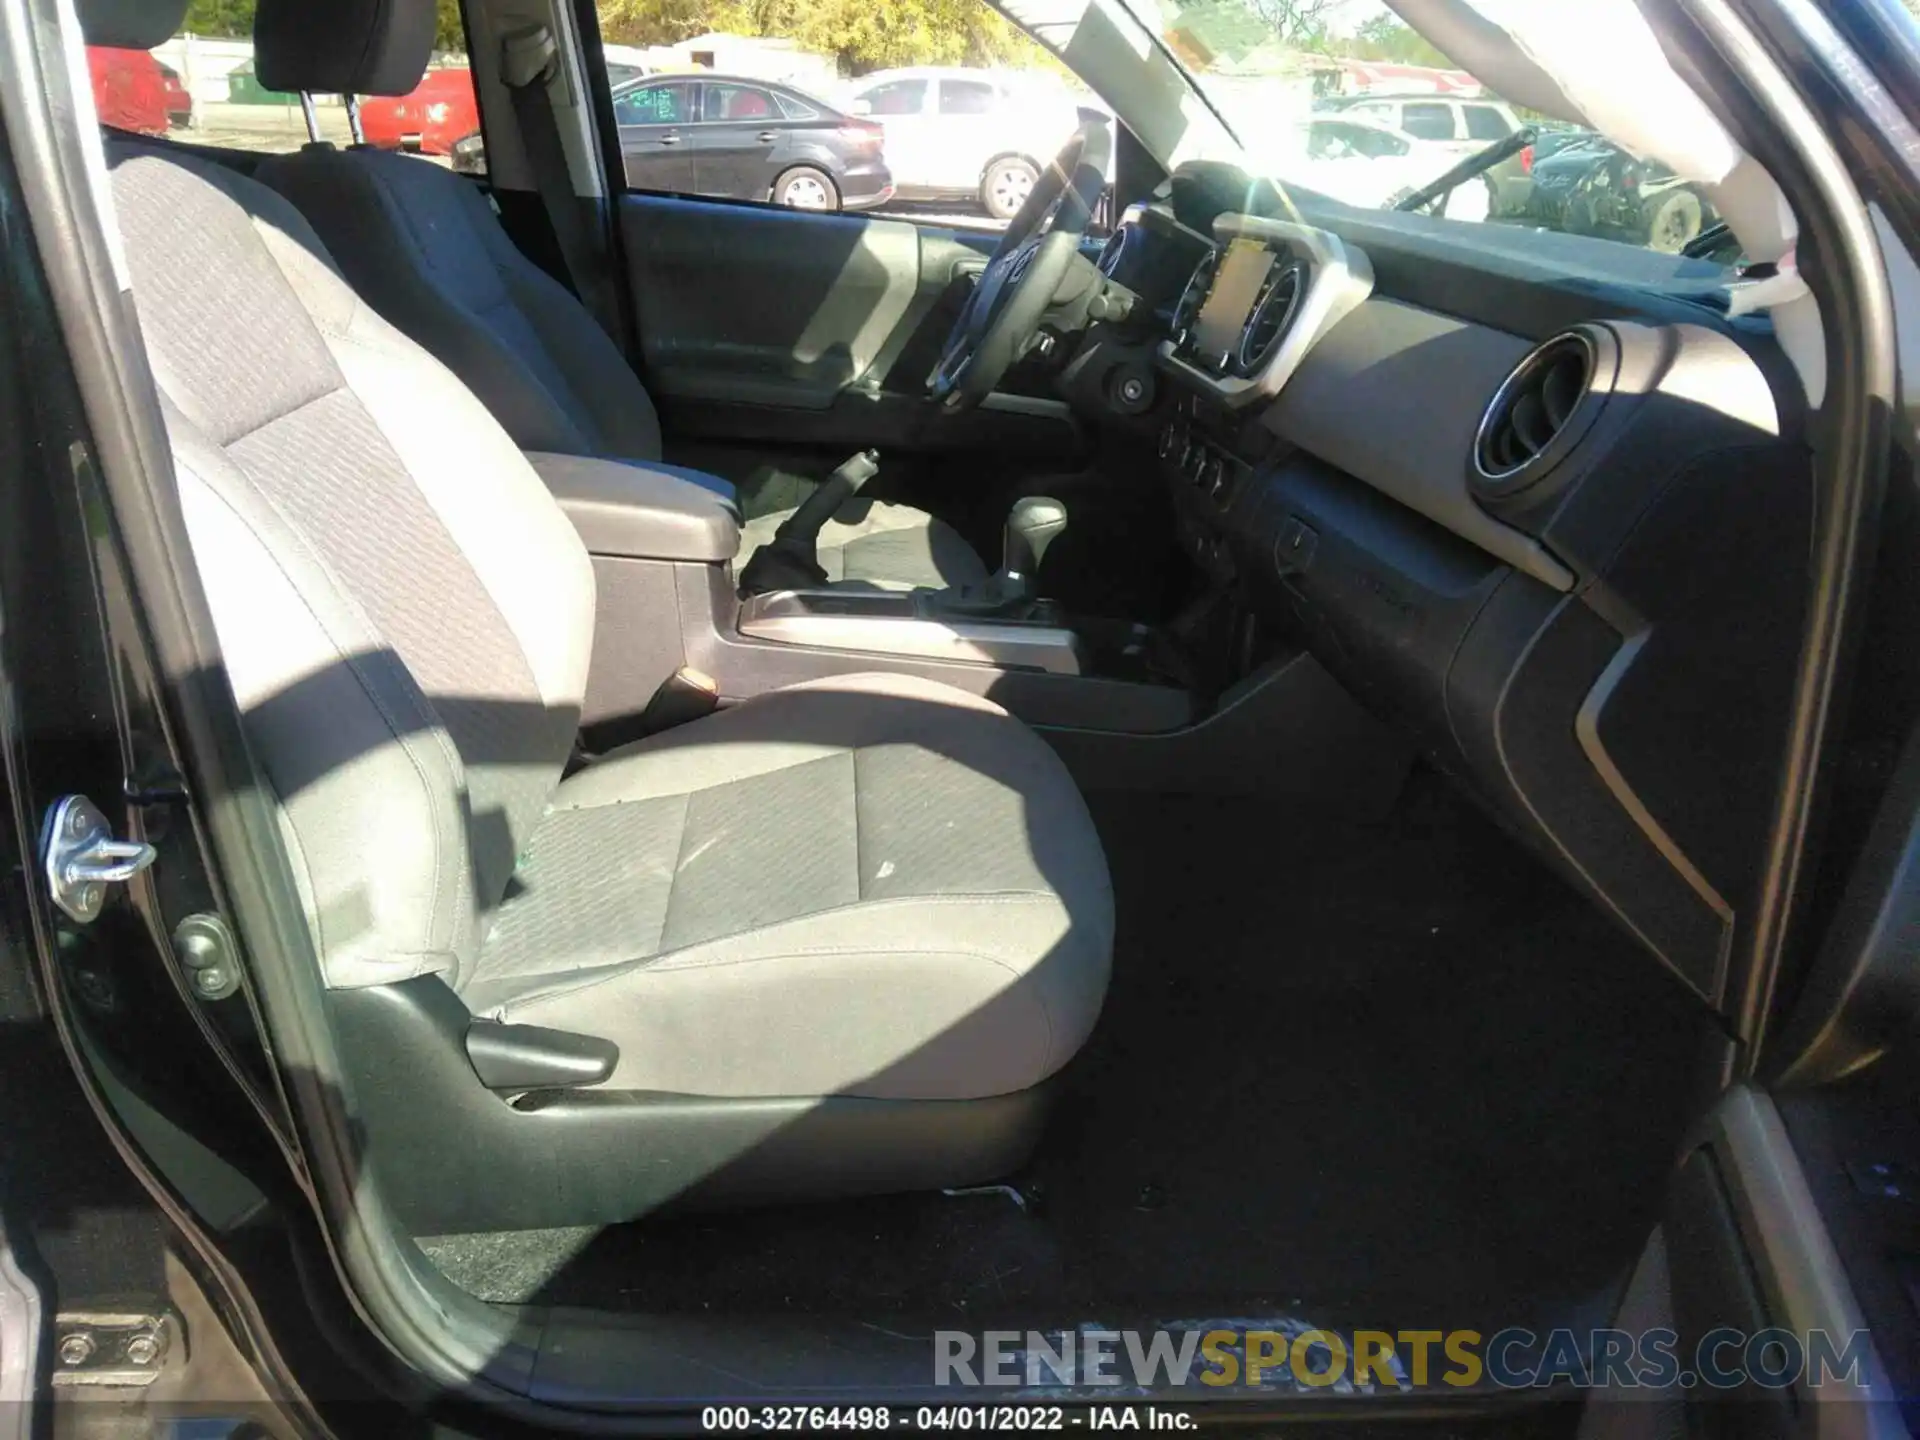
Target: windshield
[1341,98]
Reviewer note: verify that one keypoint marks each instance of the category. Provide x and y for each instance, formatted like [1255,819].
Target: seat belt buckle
[685,695]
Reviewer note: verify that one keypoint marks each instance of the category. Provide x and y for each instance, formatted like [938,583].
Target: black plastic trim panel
[1615,719]
[453,1157]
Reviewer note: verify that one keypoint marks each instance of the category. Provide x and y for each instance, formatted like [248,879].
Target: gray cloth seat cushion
[424,248]
[872,885]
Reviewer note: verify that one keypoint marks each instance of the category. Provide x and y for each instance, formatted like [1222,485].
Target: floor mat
[1396,1076]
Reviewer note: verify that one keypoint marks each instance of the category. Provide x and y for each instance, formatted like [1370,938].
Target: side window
[1427,120]
[659,103]
[1378,144]
[1331,140]
[897,97]
[1485,123]
[201,86]
[1326,141]
[736,102]
[966,97]
[943,115]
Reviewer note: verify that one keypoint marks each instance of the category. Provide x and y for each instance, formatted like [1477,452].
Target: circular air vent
[1191,299]
[1114,249]
[1541,410]
[1272,313]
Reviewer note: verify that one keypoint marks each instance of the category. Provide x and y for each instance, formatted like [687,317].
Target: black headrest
[130,24]
[342,47]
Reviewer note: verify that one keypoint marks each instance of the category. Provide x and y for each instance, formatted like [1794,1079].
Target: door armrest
[643,510]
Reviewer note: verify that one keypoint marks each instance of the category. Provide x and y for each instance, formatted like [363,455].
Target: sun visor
[1490,54]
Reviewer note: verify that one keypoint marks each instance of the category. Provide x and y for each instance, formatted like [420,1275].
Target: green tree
[1387,37]
[233,19]
[861,35]
[224,19]
[1301,24]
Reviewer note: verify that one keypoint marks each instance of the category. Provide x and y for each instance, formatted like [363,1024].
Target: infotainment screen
[1236,284]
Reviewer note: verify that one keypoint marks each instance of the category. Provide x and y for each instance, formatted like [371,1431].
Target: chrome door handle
[669,139]
[768,135]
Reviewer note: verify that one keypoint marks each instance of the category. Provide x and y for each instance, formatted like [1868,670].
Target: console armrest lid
[643,510]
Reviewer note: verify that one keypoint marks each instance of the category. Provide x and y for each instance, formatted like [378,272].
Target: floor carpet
[1397,1075]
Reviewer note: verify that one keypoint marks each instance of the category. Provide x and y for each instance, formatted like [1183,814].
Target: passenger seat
[424,248]
[858,923]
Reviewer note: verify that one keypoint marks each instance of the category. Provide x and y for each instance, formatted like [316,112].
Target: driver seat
[424,248]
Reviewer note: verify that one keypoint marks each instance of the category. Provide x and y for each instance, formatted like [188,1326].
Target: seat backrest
[404,612]
[424,247]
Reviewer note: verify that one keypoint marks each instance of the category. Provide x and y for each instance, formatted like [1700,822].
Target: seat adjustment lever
[529,1057]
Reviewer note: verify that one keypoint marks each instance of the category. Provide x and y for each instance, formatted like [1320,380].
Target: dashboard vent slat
[1540,410]
[1187,310]
[1273,312]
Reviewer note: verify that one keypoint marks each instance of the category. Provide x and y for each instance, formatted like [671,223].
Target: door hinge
[82,858]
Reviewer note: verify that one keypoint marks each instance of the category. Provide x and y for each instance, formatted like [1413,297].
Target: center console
[663,543]
[909,623]
[1122,703]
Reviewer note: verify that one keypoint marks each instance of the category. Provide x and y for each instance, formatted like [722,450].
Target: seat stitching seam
[439,521]
[289,412]
[388,196]
[1006,897]
[719,784]
[859,846]
[1039,1000]
[673,875]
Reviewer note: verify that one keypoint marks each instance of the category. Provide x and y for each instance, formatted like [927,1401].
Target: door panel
[798,328]
[654,125]
[1747,1247]
[757,305]
[734,143]
[734,160]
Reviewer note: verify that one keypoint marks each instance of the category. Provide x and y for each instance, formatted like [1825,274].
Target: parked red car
[130,90]
[438,111]
[174,94]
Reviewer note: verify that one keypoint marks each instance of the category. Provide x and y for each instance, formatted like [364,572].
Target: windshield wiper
[1474,164]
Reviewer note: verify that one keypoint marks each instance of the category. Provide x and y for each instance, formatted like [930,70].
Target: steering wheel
[1026,268]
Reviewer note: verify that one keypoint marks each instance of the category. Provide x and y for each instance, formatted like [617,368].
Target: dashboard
[1552,526]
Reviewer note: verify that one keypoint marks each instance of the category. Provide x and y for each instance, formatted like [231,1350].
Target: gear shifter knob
[1033,524]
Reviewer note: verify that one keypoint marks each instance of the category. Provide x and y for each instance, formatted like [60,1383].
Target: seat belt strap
[529,61]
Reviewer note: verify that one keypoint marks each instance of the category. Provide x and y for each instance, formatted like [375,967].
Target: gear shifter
[1033,524]
[790,561]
